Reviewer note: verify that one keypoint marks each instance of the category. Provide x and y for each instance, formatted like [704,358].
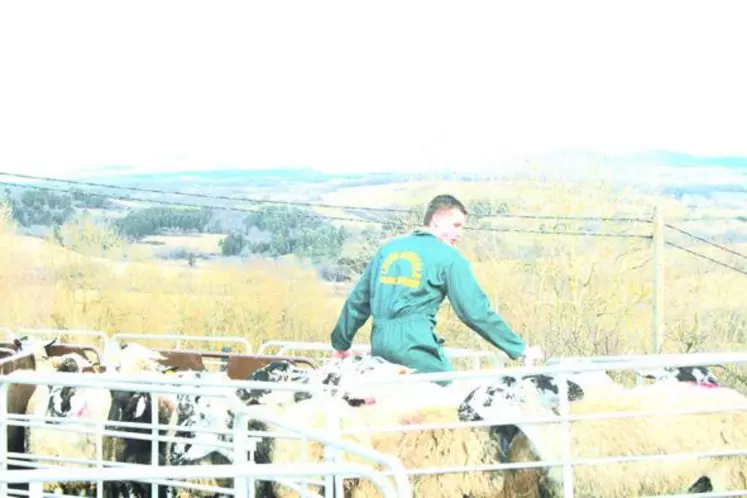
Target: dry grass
[205,242]
[573,295]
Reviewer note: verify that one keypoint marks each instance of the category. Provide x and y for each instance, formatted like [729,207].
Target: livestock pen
[382,467]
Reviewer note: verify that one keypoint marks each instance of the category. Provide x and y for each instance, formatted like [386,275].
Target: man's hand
[531,354]
[340,354]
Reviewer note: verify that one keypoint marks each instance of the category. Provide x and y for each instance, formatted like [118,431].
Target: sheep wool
[316,413]
[427,448]
[629,436]
[723,477]
[277,449]
[60,442]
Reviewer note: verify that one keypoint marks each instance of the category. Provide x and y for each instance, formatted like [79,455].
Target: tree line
[270,231]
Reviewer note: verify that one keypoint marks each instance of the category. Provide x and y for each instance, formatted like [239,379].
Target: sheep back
[313,414]
[647,435]
[452,447]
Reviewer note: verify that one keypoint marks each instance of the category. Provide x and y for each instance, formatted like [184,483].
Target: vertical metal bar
[657,335]
[564,409]
[155,442]
[4,424]
[36,489]
[240,483]
[100,456]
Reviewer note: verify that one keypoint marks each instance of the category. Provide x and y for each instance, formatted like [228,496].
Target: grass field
[206,243]
[572,295]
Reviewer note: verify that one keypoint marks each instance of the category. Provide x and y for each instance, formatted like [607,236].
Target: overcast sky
[339,86]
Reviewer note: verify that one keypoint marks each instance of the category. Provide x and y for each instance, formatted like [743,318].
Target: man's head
[445,217]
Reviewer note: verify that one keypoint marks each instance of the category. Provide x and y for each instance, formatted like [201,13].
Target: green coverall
[402,289]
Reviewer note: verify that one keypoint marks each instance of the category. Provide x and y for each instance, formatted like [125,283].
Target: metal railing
[493,358]
[332,438]
[241,471]
[57,333]
[182,338]
[561,372]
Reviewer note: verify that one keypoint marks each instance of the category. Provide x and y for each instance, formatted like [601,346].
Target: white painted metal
[160,384]
[244,474]
[632,363]
[57,333]
[495,359]
[179,338]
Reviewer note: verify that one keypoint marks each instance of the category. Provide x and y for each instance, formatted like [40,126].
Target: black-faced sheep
[71,403]
[333,373]
[136,407]
[66,402]
[698,375]
[721,478]
[197,413]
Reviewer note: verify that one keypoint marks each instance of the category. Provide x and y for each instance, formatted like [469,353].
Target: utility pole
[657,328]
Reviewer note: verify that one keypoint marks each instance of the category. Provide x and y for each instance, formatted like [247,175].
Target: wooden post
[657,329]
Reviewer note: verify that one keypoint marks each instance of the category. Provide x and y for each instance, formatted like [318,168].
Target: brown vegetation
[571,294]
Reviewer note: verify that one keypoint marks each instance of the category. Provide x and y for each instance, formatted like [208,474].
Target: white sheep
[611,437]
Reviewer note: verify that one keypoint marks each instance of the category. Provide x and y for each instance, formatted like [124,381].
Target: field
[573,295]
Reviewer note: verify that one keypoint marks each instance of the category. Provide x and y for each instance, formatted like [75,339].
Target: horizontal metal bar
[154,383]
[184,338]
[551,419]
[589,461]
[712,494]
[117,465]
[364,348]
[674,360]
[255,471]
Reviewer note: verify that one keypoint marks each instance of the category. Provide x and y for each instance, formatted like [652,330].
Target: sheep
[203,412]
[278,371]
[700,375]
[136,407]
[721,478]
[65,402]
[333,373]
[18,396]
[71,403]
[39,348]
[511,388]
[647,435]
[422,448]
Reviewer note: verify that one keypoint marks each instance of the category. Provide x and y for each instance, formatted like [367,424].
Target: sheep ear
[140,408]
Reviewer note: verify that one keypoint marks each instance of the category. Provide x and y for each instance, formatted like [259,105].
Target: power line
[178,204]
[707,241]
[317,205]
[324,216]
[708,258]
[557,232]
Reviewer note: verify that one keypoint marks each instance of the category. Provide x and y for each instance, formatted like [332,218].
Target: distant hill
[647,158]
[576,159]
[256,177]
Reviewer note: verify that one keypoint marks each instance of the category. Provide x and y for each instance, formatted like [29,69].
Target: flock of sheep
[505,407]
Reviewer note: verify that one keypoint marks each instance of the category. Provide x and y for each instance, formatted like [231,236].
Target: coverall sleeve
[473,307]
[355,312]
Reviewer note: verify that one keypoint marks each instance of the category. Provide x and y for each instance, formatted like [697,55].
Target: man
[403,286]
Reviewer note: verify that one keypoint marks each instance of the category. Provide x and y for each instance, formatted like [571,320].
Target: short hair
[440,203]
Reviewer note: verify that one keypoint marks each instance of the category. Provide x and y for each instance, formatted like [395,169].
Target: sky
[353,86]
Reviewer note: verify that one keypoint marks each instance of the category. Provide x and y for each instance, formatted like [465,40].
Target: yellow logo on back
[416,269]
